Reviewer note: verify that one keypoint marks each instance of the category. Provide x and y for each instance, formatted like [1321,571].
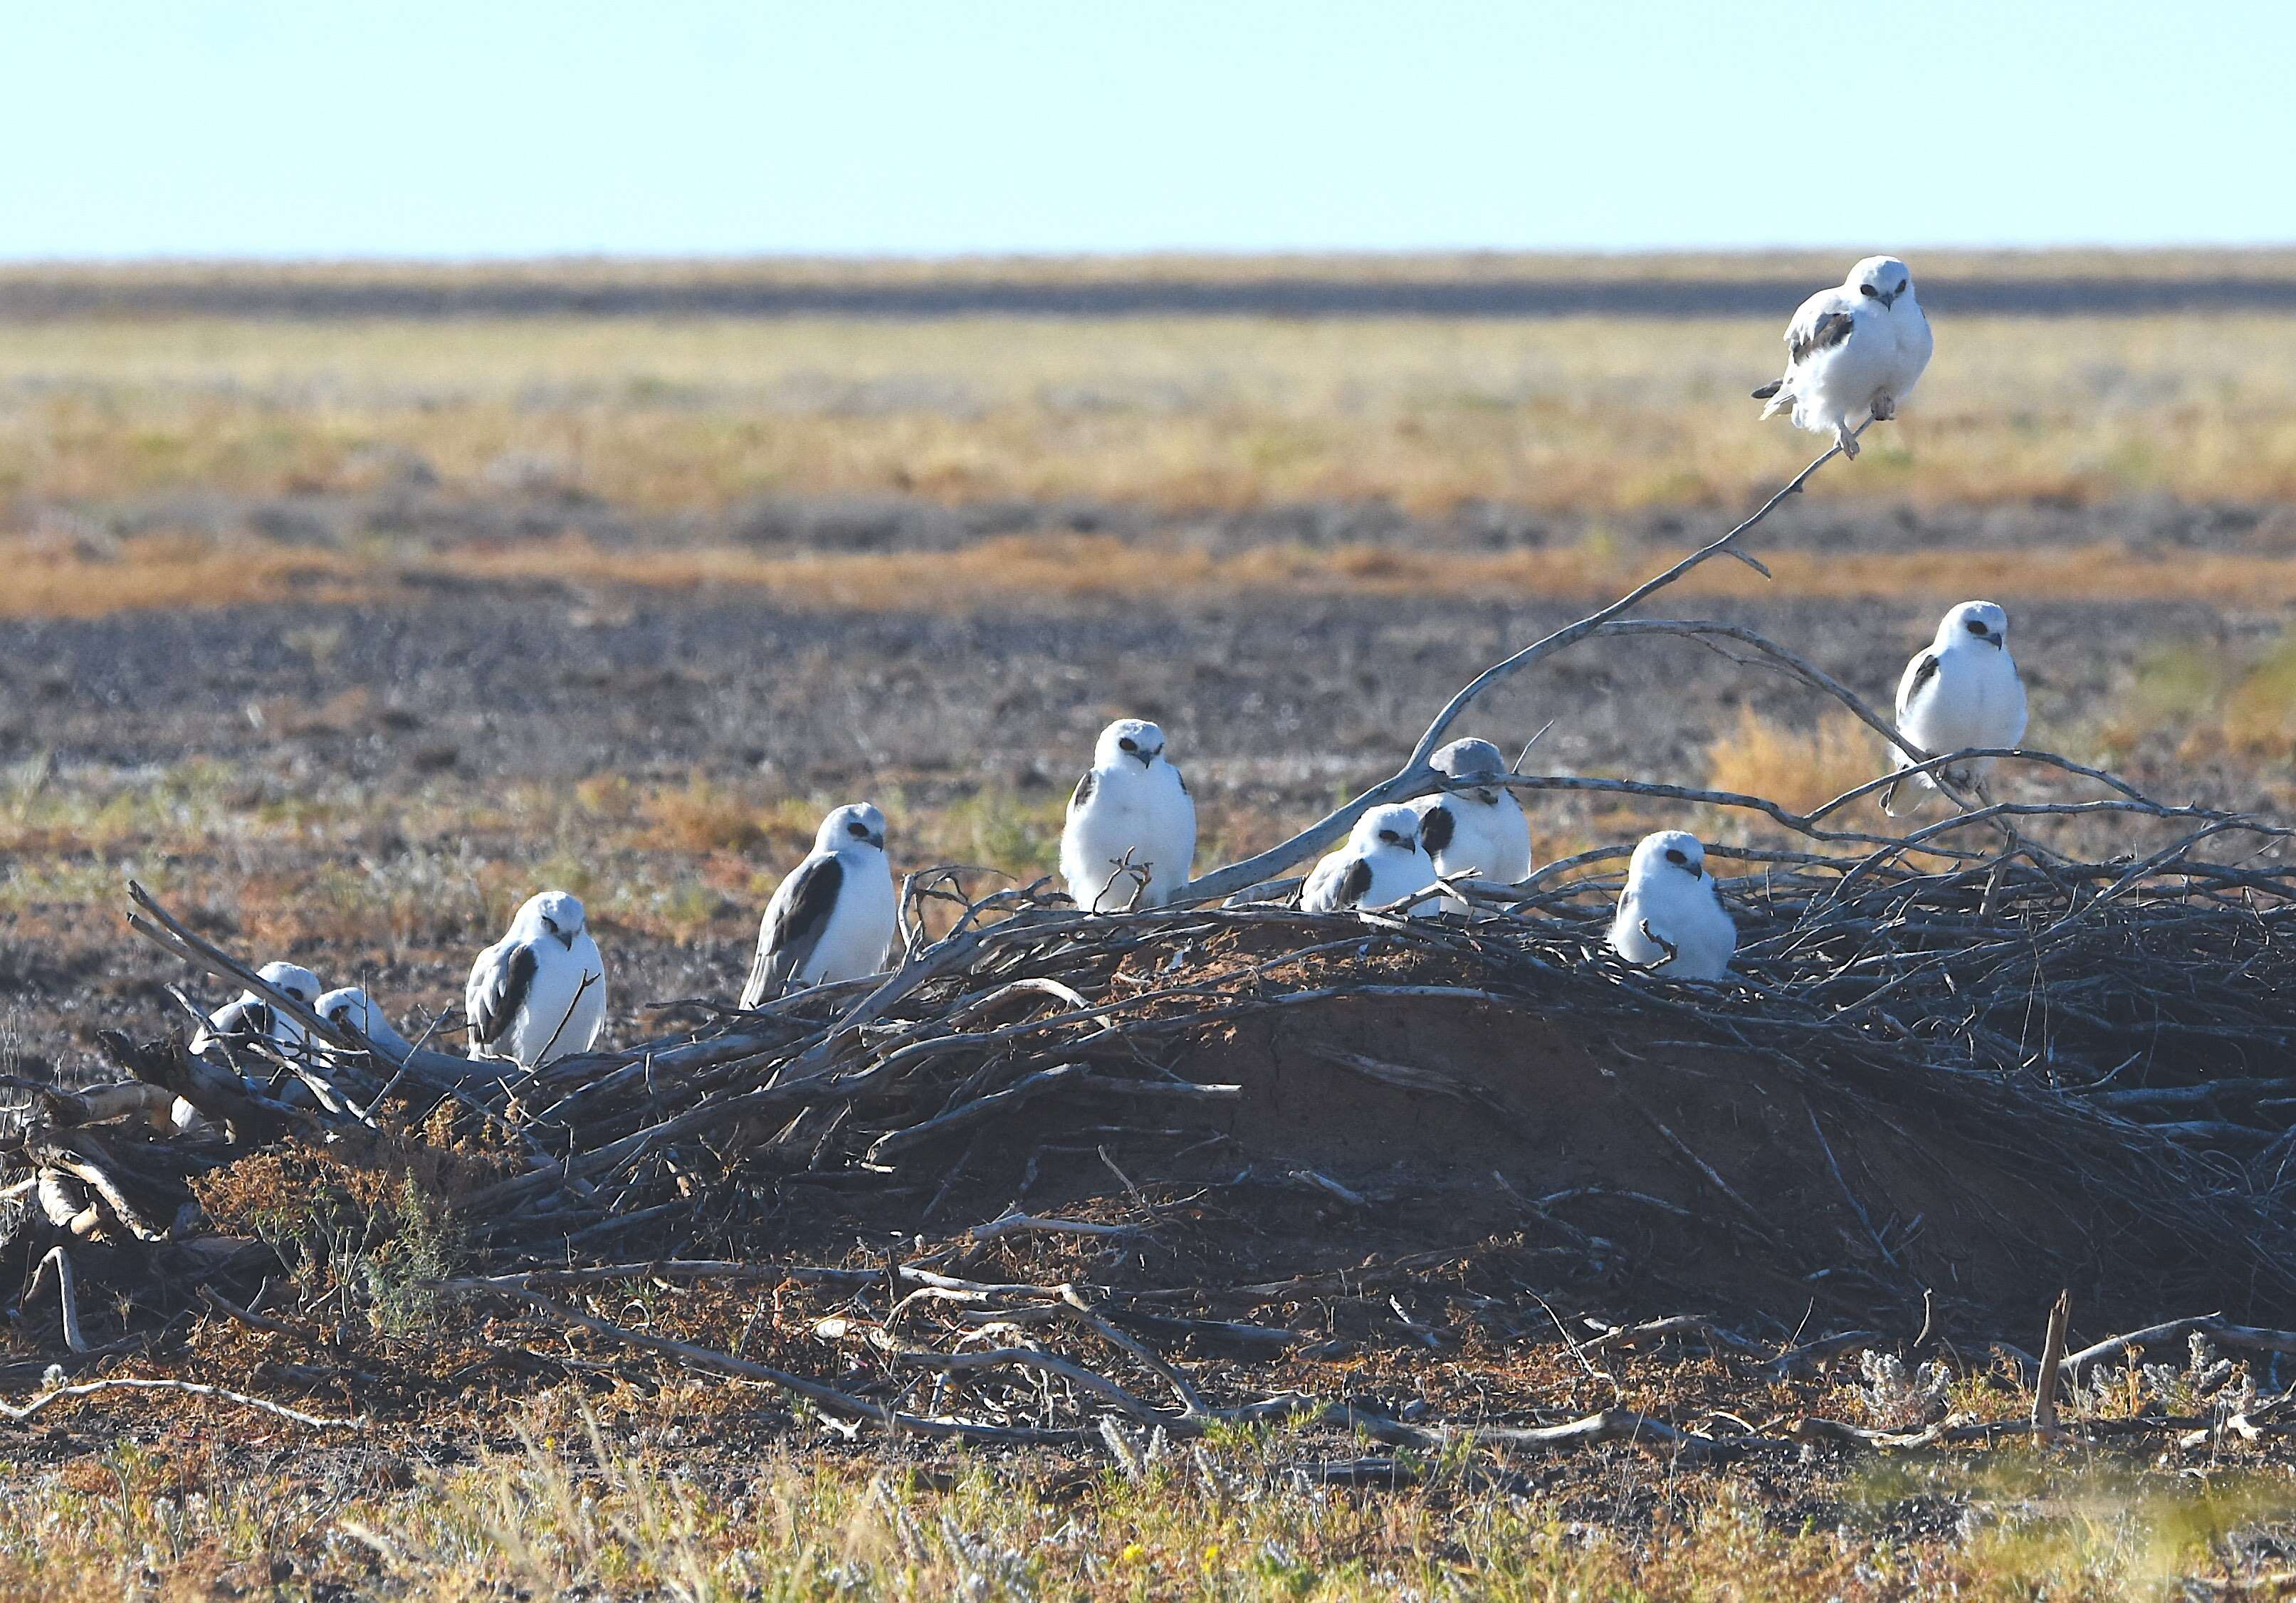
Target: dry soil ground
[345,647]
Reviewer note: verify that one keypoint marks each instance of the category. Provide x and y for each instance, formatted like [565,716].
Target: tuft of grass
[705,816]
[604,1498]
[1797,765]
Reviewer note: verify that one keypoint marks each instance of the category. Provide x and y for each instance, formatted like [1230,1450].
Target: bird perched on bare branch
[1964,691]
[1669,920]
[1130,839]
[834,916]
[539,993]
[1481,833]
[1853,352]
[1381,864]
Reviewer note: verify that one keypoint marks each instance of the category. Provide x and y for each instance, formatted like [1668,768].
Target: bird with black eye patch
[1130,817]
[350,1008]
[539,993]
[251,1014]
[835,917]
[1480,831]
[1669,920]
[1962,692]
[1379,864]
[1853,352]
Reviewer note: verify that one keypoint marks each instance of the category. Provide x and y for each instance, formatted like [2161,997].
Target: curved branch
[1415,775]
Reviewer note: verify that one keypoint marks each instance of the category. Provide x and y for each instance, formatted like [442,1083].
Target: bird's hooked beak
[565,936]
[1999,642]
[1888,297]
[877,841]
[1148,758]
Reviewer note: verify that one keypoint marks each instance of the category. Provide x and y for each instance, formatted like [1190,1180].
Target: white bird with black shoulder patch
[1480,831]
[1669,920]
[1962,692]
[539,993]
[835,917]
[350,1008]
[1131,811]
[1853,352]
[251,1014]
[1381,864]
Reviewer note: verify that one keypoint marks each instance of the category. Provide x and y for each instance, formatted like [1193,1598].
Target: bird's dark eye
[1867,289]
[1127,744]
[1902,283]
[1673,855]
[1976,625]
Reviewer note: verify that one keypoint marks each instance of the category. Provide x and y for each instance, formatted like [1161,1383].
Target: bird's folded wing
[500,981]
[1081,796]
[1920,675]
[794,919]
[1357,883]
[1822,332]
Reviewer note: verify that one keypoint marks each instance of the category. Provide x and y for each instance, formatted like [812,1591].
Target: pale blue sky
[462,128]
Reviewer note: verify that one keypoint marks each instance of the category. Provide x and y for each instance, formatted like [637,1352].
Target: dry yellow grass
[700,414]
[54,579]
[1797,765]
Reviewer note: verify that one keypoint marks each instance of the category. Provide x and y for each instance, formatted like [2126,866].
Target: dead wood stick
[2053,1354]
[195,1388]
[1191,1401]
[97,1104]
[218,1093]
[253,1321]
[1627,1337]
[1418,774]
[1805,1359]
[67,1296]
[661,1269]
[2211,1325]
[1015,1220]
[98,1178]
[840,1404]
[1042,1362]
[966,1114]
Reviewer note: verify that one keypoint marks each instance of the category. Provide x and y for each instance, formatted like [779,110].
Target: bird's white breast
[860,926]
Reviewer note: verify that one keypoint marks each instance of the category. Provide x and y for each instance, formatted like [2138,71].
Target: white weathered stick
[1417,774]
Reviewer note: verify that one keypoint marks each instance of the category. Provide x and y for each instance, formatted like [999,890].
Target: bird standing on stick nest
[1381,864]
[1480,833]
[835,917]
[539,993]
[1130,839]
[1669,920]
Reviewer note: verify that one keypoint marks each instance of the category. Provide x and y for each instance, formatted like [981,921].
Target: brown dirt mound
[1675,1174]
